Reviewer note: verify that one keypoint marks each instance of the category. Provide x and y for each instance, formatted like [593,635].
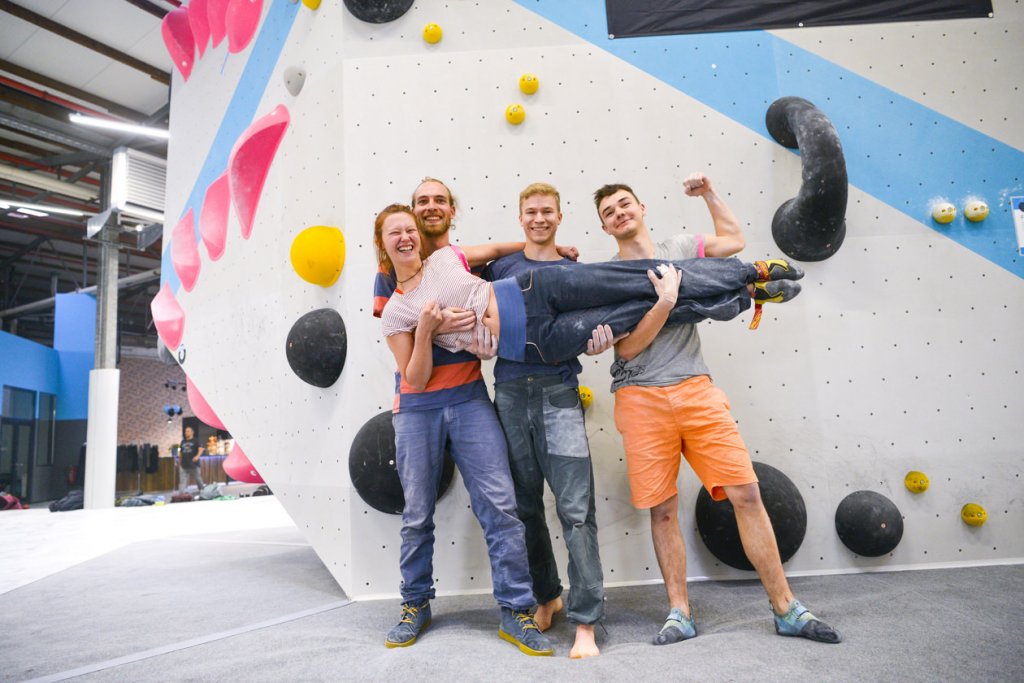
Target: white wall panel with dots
[901,354]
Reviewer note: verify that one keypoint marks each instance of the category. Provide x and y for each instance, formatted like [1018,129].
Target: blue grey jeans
[477,446]
[563,304]
[194,473]
[547,441]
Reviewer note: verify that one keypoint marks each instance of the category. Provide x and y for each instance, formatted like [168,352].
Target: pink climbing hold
[213,219]
[241,22]
[185,251]
[168,317]
[200,407]
[250,162]
[238,467]
[216,13]
[200,24]
[178,38]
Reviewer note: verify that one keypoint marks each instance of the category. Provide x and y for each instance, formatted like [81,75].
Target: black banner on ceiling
[631,18]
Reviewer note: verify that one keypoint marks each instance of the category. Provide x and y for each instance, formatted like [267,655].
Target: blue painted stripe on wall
[239,114]
[896,149]
[27,365]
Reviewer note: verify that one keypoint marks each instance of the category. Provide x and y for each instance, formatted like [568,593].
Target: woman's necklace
[402,282]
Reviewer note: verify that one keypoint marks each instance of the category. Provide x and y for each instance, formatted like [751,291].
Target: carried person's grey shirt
[674,354]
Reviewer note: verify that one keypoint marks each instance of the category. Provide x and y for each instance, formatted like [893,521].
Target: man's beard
[436,229]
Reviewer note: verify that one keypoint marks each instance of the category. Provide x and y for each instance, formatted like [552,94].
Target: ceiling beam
[146,7]
[46,81]
[48,184]
[85,41]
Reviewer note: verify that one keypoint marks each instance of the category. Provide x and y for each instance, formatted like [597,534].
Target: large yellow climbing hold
[318,254]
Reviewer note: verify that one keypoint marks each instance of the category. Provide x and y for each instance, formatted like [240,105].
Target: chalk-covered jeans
[478,448]
[564,304]
[547,441]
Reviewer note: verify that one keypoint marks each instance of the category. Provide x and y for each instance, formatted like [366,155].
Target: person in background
[188,460]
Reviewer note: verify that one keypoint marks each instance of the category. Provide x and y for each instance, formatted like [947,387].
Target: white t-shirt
[446,279]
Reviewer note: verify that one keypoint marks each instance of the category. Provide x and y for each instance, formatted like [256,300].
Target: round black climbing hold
[316,347]
[716,521]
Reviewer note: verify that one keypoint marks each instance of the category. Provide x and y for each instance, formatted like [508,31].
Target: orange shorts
[693,417]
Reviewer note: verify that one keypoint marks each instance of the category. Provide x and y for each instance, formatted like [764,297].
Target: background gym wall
[899,355]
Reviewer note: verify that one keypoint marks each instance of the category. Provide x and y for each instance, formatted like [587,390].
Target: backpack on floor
[210,491]
[9,501]
[75,500]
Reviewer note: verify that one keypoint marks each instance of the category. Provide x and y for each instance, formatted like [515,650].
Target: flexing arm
[728,238]
[667,287]
[412,350]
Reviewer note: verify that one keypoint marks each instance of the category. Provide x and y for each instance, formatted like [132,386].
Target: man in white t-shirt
[665,403]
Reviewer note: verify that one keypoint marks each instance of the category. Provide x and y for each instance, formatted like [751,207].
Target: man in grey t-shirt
[665,404]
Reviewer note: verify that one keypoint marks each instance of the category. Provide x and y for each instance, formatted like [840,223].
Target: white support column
[101,439]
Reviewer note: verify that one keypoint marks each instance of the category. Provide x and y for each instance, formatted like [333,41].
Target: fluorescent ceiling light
[32,212]
[117,125]
[11,203]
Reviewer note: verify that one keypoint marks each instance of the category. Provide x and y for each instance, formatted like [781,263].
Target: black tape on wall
[630,18]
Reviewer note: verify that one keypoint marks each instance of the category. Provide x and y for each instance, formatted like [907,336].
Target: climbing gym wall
[899,355]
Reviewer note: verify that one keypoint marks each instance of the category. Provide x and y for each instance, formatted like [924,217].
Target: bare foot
[584,645]
[546,612]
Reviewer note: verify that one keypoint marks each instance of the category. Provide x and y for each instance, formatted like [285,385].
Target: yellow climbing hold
[318,254]
[515,114]
[973,514]
[916,482]
[529,83]
[432,33]
[586,397]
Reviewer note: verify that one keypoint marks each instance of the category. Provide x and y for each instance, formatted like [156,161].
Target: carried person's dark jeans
[565,303]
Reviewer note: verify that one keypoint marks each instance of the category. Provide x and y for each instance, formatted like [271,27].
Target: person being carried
[665,403]
[540,412]
[548,315]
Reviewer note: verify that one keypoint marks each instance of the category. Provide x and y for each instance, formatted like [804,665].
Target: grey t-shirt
[675,353]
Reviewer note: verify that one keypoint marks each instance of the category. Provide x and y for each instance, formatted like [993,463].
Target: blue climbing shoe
[798,621]
[678,627]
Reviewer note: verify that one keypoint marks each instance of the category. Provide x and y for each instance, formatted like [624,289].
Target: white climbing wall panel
[903,352]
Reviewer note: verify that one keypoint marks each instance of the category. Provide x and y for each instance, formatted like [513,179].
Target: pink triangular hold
[200,407]
[213,219]
[185,251]
[168,317]
[200,23]
[250,161]
[241,22]
[216,13]
[238,467]
[177,33]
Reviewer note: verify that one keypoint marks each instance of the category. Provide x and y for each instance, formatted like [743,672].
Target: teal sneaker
[678,627]
[415,620]
[519,629]
[798,621]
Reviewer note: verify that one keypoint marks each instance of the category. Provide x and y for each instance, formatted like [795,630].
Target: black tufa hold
[378,11]
[812,225]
